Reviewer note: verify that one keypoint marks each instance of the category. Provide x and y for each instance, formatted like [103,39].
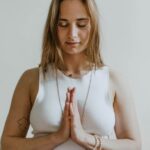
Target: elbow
[4,144]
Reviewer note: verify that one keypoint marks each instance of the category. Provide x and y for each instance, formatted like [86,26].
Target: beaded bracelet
[99,145]
[98,142]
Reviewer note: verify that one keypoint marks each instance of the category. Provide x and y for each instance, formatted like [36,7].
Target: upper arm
[126,121]
[17,122]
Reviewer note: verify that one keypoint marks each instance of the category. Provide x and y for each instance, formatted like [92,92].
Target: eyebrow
[78,19]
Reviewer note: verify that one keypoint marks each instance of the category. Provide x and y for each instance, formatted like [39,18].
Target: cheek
[60,35]
[86,34]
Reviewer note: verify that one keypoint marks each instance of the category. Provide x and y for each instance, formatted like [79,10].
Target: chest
[98,114]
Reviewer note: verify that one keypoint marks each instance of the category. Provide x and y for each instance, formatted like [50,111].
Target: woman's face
[73,27]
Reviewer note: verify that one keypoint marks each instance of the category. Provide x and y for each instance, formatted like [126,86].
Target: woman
[73,101]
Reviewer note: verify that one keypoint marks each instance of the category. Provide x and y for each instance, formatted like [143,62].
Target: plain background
[125,46]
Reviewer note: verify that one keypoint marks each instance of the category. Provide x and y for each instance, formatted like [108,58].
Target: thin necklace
[86,98]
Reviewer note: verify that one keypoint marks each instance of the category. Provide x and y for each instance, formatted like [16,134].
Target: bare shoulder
[31,76]
[121,85]
[118,79]
[115,75]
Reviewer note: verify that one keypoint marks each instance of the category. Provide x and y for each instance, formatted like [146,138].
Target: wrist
[87,141]
[92,141]
[58,139]
[98,142]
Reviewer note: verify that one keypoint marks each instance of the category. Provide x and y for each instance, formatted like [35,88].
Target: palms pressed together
[71,126]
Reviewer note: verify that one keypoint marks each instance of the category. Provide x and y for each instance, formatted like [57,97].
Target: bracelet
[99,146]
[98,142]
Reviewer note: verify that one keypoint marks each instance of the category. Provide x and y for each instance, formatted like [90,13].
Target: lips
[72,43]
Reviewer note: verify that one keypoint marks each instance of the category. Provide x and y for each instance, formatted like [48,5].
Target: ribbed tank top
[99,117]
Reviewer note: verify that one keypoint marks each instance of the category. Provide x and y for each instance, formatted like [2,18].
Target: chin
[73,51]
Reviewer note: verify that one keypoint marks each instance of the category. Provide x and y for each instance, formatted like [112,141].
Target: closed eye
[63,23]
[82,23]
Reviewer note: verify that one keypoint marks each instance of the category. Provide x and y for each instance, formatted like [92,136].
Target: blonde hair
[51,53]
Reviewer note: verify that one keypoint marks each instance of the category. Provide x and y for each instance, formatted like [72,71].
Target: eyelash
[82,26]
[66,25]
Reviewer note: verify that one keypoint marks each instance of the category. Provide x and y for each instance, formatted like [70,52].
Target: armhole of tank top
[111,90]
[39,85]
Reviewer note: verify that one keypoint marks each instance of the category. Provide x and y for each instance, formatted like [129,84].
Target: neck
[75,64]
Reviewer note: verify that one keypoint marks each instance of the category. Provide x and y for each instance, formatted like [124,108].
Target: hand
[64,131]
[77,131]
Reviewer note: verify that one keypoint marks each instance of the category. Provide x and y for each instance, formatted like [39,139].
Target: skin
[73,33]
[73,28]
[17,122]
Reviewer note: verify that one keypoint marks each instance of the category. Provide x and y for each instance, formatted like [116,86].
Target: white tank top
[99,117]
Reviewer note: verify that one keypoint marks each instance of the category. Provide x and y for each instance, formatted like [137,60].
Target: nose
[73,31]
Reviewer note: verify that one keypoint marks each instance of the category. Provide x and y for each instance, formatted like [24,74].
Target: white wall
[126,30]
[125,45]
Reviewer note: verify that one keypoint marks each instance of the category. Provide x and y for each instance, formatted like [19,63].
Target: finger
[71,110]
[73,99]
[66,109]
[72,94]
[69,89]
[72,90]
[67,96]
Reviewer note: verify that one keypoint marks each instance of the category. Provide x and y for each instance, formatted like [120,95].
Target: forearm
[108,144]
[120,144]
[47,142]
